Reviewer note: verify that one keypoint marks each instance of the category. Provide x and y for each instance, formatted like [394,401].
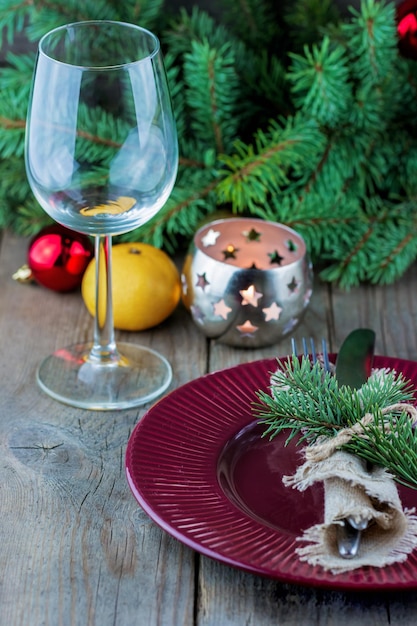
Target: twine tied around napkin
[353,489]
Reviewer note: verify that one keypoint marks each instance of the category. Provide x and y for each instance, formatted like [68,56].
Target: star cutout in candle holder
[230,252]
[220,308]
[292,247]
[210,238]
[247,329]
[252,235]
[293,285]
[272,312]
[275,257]
[198,314]
[250,296]
[202,281]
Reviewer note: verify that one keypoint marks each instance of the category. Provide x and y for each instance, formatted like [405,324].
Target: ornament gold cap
[23,274]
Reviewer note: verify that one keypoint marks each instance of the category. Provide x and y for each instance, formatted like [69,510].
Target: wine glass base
[139,376]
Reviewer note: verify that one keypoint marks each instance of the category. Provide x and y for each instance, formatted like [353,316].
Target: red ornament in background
[58,257]
[407,28]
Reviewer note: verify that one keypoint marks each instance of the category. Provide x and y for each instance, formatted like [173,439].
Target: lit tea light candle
[246,281]
[250,296]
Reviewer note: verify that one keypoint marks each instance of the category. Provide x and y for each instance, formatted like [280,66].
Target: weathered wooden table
[75,547]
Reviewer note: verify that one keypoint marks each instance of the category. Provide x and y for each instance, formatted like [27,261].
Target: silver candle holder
[246,281]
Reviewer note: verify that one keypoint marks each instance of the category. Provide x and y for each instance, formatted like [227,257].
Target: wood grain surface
[75,548]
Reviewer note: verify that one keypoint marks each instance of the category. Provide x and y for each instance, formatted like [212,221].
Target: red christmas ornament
[407,28]
[58,257]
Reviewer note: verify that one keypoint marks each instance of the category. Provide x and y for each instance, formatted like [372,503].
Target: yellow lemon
[146,286]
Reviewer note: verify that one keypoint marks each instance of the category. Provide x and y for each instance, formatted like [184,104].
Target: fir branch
[14,185]
[12,124]
[305,18]
[17,75]
[300,400]
[379,251]
[351,268]
[100,134]
[261,73]
[396,248]
[320,82]
[398,454]
[13,17]
[212,95]
[319,218]
[265,87]
[48,14]
[28,218]
[197,26]
[372,40]
[403,180]
[192,199]
[311,405]
[254,171]
[147,13]
[254,22]
[177,89]
[309,401]
[323,140]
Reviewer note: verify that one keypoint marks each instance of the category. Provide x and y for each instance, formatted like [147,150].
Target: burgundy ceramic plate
[198,465]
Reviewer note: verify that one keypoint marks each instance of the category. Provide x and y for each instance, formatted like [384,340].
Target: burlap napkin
[351,489]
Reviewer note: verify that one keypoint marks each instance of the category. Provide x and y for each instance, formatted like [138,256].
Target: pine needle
[310,404]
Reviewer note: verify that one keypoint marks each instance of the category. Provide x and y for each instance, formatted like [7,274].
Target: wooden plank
[397,312]
[228,596]
[74,545]
[391,310]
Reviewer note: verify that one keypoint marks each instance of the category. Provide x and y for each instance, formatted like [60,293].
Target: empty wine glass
[101,158]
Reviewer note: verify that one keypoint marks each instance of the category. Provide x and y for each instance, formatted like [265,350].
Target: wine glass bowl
[101,158]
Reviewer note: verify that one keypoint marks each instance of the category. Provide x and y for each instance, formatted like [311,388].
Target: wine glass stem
[104,350]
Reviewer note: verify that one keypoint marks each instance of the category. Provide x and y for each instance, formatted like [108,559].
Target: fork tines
[312,351]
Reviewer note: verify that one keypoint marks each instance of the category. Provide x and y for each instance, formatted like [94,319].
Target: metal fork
[312,352]
[349,531]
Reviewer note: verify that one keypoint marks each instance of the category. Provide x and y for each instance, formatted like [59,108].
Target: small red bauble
[407,28]
[58,257]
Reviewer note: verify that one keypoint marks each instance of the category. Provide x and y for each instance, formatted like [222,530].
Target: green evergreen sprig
[285,111]
[309,404]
